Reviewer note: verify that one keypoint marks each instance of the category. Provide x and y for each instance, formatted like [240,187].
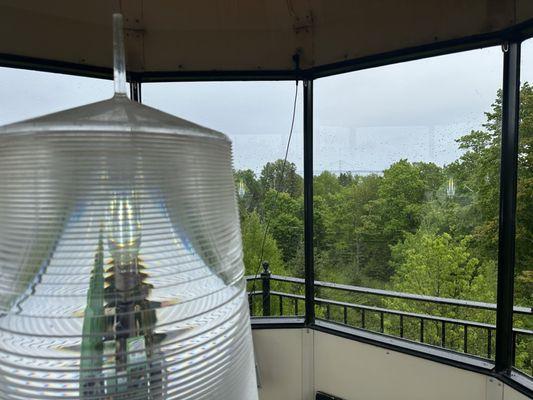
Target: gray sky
[364,120]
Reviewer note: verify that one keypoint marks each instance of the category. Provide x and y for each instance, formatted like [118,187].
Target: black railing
[450,333]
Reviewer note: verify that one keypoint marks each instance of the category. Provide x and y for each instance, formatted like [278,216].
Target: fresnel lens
[121,273]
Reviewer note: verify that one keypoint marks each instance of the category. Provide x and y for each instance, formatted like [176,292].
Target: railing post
[489,343]
[265,279]
[465,339]
[135,91]
[251,303]
[308,204]
[508,182]
[345,315]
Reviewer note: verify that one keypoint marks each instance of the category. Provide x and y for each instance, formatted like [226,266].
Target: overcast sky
[364,120]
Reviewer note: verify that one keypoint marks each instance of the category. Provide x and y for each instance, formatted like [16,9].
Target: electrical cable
[268,220]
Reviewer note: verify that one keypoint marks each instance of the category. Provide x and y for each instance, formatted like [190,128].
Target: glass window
[523,295]
[27,94]
[257,117]
[406,187]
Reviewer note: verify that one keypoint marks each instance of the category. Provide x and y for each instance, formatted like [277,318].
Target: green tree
[326,184]
[345,243]
[396,211]
[252,238]
[403,190]
[286,221]
[346,178]
[477,172]
[438,265]
[249,191]
[283,179]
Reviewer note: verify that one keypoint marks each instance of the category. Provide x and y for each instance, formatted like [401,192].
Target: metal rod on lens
[119,57]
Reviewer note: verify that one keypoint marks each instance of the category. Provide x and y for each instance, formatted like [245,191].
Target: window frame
[502,368]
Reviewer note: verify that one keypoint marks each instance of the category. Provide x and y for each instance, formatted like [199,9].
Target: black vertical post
[308,204]
[135,91]
[489,343]
[508,178]
[265,278]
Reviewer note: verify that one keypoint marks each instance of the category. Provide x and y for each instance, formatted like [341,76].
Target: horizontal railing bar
[400,313]
[408,314]
[288,295]
[398,295]
[290,279]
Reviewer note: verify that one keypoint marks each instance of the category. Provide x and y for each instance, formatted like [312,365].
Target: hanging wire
[276,194]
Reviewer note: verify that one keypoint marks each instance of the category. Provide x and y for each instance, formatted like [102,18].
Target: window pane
[257,118]
[406,196]
[524,217]
[28,94]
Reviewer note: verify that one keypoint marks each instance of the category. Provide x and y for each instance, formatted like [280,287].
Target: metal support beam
[135,91]
[508,179]
[308,204]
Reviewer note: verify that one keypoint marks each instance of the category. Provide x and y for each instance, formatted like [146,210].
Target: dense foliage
[417,227]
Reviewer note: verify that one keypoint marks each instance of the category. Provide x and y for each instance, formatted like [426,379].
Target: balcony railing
[367,312]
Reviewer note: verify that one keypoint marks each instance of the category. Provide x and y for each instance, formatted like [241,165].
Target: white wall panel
[357,371]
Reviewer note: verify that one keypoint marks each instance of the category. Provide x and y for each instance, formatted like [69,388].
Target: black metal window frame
[503,365]
[502,368]
[510,40]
